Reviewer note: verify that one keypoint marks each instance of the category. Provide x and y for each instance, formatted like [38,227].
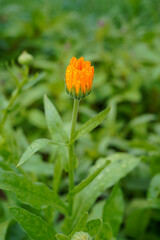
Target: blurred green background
[122,40]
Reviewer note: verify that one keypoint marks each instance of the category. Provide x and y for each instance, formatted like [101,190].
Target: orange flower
[79,77]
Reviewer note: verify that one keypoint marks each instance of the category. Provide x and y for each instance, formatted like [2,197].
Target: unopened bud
[25,58]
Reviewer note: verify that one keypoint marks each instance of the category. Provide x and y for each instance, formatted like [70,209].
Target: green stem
[11,101]
[71,153]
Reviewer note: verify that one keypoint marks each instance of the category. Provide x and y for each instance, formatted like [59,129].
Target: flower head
[79,77]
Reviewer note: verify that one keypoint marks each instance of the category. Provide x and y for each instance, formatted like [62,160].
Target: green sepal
[80,95]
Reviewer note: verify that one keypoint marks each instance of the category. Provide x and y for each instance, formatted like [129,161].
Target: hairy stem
[71,153]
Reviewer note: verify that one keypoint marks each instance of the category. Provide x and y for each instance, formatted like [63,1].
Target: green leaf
[34,226]
[5,166]
[137,222]
[154,203]
[56,129]
[97,210]
[37,195]
[121,165]
[12,75]
[93,227]
[63,154]
[144,145]
[57,175]
[138,218]
[154,188]
[61,237]
[33,148]
[154,163]
[34,80]
[113,209]
[3,229]
[37,166]
[81,224]
[36,118]
[54,122]
[89,179]
[92,123]
[105,233]
[143,119]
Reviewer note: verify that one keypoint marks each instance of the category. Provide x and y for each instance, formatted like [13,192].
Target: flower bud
[81,236]
[79,78]
[25,58]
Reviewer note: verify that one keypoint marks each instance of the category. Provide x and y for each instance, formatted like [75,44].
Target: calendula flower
[79,77]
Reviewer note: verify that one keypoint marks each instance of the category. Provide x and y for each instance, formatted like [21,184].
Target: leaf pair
[58,133]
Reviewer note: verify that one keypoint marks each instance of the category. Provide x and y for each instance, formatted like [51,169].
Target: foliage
[116,192]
